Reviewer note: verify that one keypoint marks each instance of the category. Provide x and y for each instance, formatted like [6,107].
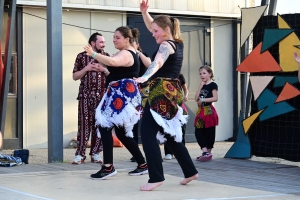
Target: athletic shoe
[96,158]
[78,160]
[104,172]
[168,157]
[140,170]
[206,157]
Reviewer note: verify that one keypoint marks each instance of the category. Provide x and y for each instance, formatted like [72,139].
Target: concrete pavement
[256,178]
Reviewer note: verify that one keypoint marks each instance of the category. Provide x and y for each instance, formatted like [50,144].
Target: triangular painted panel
[267,99]
[257,62]
[287,48]
[273,36]
[247,123]
[280,81]
[288,92]
[250,17]
[259,83]
[241,148]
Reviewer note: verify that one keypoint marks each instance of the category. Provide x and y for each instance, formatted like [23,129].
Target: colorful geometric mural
[267,100]
[276,91]
[241,147]
[250,120]
[259,83]
[287,48]
[289,91]
[259,62]
[273,36]
[282,80]
[250,16]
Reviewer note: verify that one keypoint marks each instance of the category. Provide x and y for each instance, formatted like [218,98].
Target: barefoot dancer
[165,98]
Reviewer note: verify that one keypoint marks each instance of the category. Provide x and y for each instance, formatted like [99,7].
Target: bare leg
[150,186]
[187,180]
[209,150]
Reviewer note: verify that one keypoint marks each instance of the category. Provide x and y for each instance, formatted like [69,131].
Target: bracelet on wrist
[106,71]
[94,55]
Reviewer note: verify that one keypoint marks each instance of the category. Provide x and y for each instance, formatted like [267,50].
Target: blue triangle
[280,81]
[273,36]
[241,148]
[267,99]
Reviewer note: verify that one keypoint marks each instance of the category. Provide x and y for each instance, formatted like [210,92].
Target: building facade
[209,29]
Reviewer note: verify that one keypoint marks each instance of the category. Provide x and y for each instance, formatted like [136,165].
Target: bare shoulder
[166,44]
[166,47]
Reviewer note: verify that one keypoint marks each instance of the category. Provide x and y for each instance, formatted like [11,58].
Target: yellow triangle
[287,49]
[282,23]
[249,121]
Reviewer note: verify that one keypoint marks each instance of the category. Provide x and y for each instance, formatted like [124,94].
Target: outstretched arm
[119,59]
[297,59]
[146,17]
[160,58]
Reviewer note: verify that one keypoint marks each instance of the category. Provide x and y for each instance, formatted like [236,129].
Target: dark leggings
[135,131]
[153,154]
[206,137]
[167,150]
[128,142]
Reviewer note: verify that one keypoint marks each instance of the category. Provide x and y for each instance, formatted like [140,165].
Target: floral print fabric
[120,106]
[164,100]
[206,116]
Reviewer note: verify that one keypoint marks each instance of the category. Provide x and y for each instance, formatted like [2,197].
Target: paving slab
[221,178]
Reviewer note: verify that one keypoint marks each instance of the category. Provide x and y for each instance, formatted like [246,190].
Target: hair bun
[135,32]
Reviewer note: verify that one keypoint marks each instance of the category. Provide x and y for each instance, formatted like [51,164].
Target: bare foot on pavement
[187,180]
[150,186]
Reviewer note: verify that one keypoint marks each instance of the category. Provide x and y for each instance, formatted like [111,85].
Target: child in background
[206,118]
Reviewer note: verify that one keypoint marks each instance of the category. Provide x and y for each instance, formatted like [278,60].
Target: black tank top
[118,73]
[172,67]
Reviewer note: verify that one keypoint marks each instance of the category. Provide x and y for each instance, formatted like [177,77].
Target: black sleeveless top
[172,67]
[118,73]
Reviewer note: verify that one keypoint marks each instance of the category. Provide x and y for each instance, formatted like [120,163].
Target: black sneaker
[140,170]
[104,172]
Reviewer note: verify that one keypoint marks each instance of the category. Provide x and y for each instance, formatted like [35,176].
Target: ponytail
[176,30]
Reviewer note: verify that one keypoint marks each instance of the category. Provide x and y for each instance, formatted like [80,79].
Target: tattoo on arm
[151,69]
[164,51]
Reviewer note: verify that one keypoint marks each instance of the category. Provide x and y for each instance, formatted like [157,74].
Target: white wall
[221,58]
[34,80]
[35,68]
[221,8]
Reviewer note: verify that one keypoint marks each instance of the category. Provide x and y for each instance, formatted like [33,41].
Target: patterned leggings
[86,125]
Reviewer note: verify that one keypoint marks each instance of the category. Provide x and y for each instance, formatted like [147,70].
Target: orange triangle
[288,92]
[257,62]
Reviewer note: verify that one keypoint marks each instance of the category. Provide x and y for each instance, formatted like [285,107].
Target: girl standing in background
[206,118]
